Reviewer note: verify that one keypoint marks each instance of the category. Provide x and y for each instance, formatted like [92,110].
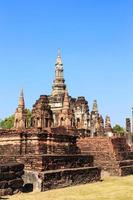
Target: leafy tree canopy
[118,129]
[7,123]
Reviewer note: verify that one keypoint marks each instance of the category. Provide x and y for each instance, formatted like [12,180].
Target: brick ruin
[66,143]
[113,155]
[58,157]
[51,157]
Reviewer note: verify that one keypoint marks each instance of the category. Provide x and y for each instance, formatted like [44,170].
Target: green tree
[7,123]
[118,129]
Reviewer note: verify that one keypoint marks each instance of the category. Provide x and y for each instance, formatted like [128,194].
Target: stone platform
[51,157]
[53,179]
[39,168]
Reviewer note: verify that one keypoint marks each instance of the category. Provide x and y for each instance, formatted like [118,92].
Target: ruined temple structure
[51,157]
[48,148]
[66,143]
[61,110]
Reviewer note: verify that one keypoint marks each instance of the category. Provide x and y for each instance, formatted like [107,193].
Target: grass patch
[112,188]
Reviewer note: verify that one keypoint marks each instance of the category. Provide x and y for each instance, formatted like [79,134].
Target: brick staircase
[123,155]
[111,154]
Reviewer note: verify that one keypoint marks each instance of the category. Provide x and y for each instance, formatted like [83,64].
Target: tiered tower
[95,107]
[108,127]
[67,114]
[20,114]
[59,85]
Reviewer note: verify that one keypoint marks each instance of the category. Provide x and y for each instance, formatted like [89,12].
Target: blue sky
[96,38]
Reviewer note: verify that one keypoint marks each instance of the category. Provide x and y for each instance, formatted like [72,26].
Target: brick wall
[36,142]
[11,178]
[69,177]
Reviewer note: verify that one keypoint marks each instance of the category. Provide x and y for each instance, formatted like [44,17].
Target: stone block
[3,184]
[69,177]
[16,167]
[16,183]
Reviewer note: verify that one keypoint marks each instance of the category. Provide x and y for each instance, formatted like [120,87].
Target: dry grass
[112,188]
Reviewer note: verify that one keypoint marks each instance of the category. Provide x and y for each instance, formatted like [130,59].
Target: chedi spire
[66,101]
[59,85]
[95,106]
[108,127]
[20,114]
[59,59]
[21,100]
